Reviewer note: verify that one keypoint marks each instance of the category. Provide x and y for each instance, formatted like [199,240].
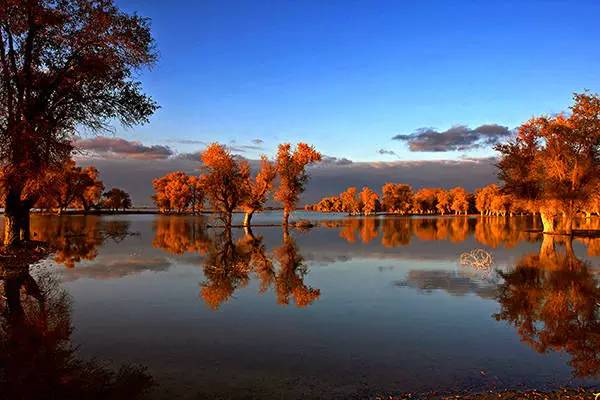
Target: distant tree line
[400,198]
[397,198]
[227,184]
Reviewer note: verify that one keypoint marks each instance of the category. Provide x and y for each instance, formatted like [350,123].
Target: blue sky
[347,76]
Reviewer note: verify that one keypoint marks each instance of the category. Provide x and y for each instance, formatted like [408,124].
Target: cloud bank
[457,138]
[327,178]
[114,147]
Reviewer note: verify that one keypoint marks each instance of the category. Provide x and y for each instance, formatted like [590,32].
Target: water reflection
[37,358]
[77,238]
[395,266]
[228,263]
[394,232]
[552,298]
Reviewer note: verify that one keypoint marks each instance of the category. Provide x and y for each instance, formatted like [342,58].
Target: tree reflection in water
[77,238]
[230,263]
[553,299]
[37,359]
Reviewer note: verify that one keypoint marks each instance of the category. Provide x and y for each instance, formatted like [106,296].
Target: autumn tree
[425,200]
[444,200]
[484,197]
[460,200]
[64,65]
[350,202]
[69,186]
[116,199]
[397,197]
[225,180]
[258,189]
[554,161]
[291,167]
[369,201]
[175,191]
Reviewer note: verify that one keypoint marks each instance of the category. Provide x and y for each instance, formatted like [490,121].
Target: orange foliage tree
[443,200]
[350,201]
[425,201]
[70,186]
[225,180]
[258,189]
[369,200]
[397,197]
[291,167]
[554,162]
[460,200]
[177,192]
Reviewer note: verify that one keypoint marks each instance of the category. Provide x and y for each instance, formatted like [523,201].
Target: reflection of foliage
[180,235]
[554,301]
[229,264]
[498,231]
[290,277]
[226,269]
[37,359]
[366,228]
[76,238]
[396,232]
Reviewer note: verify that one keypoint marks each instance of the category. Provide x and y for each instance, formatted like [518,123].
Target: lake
[350,308]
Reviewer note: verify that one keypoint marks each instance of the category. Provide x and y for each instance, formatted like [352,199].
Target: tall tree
[64,65]
[225,180]
[554,162]
[291,167]
[258,189]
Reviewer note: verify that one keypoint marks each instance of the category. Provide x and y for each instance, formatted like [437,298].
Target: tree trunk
[16,220]
[248,218]
[567,224]
[286,217]
[548,222]
[227,220]
[24,223]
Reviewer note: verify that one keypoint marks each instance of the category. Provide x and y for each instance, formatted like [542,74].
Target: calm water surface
[350,308]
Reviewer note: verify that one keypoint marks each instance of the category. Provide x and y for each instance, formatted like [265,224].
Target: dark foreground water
[351,308]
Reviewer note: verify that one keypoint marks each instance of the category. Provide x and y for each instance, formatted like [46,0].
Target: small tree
[173,192]
[225,180]
[258,189]
[116,199]
[291,167]
[67,186]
